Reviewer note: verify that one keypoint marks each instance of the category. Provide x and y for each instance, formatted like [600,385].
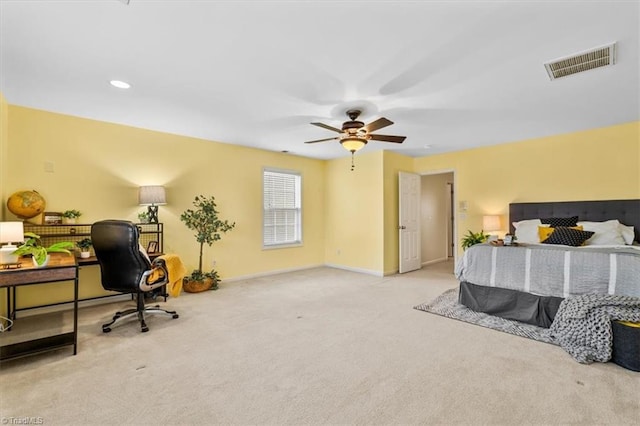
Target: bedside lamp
[10,232]
[491,223]
[152,196]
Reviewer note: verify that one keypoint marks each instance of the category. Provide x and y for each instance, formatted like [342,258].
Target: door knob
[402,227]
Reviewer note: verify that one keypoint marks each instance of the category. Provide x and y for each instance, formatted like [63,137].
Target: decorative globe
[26,204]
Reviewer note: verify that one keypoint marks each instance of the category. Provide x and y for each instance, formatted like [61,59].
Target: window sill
[281,246]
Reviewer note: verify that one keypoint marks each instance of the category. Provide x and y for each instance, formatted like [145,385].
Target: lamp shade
[353,144]
[491,223]
[152,195]
[11,232]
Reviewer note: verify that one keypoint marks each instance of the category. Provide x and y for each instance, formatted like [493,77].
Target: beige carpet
[321,346]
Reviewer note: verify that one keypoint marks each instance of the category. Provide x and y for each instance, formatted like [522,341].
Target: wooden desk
[61,267]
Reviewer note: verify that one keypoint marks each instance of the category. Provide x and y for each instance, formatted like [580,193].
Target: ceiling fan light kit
[354,134]
[353,144]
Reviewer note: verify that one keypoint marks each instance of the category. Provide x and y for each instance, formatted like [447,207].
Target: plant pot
[68,220]
[85,254]
[46,262]
[191,286]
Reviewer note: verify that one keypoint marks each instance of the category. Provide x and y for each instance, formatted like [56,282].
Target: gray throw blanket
[582,325]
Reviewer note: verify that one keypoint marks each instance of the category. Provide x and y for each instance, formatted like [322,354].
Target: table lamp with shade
[10,232]
[152,196]
[491,223]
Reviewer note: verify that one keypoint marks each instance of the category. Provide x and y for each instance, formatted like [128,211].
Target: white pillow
[606,233]
[527,231]
[627,234]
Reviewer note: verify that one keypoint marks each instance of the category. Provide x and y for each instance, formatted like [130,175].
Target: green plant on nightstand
[473,238]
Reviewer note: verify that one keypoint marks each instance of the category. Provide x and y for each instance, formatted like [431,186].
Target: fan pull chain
[353,166]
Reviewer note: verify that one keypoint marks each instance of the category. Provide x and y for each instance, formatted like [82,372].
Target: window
[282,223]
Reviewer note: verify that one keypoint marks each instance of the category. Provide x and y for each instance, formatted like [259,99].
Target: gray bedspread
[559,271]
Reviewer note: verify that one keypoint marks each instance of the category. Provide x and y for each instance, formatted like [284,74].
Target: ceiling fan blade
[378,124]
[323,140]
[387,138]
[326,126]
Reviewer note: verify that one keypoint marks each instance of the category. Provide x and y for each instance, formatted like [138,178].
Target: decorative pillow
[545,231]
[527,231]
[568,237]
[605,233]
[554,222]
[627,233]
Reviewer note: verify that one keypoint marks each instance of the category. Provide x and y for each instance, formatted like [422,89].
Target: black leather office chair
[125,268]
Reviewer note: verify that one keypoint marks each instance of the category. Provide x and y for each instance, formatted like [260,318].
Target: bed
[528,282]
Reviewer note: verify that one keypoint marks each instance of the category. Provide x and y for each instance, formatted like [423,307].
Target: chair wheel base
[140,311]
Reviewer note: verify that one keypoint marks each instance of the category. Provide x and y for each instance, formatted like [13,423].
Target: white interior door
[409,218]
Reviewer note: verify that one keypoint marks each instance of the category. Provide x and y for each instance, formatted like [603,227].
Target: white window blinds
[282,208]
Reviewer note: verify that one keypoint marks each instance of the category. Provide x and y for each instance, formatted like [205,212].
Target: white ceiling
[451,74]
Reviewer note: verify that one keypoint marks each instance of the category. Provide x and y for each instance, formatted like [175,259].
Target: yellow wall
[4,143]
[589,165]
[99,166]
[349,218]
[4,130]
[354,213]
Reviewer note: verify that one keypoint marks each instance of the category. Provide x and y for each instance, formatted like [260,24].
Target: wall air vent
[583,61]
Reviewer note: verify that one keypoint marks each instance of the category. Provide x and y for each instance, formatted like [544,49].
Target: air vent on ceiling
[583,61]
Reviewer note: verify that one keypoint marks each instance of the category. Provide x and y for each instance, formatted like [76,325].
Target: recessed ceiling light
[427,146]
[120,84]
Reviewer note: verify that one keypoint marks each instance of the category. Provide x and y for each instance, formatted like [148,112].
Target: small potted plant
[84,245]
[70,216]
[33,246]
[473,238]
[143,217]
[208,227]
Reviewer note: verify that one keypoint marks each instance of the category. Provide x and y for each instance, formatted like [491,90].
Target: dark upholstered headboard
[626,211]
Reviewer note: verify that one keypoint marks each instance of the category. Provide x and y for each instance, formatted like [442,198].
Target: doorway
[437,216]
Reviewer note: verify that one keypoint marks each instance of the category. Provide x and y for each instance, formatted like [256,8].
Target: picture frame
[52,218]
[152,247]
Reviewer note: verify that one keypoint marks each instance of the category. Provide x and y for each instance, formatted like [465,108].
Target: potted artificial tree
[208,228]
[33,246]
[70,216]
[84,245]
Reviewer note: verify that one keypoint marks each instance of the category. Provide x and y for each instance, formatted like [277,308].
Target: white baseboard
[124,297]
[430,262]
[360,270]
[268,273]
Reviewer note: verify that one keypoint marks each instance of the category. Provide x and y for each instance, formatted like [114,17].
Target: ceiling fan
[358,130]
[354,134]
